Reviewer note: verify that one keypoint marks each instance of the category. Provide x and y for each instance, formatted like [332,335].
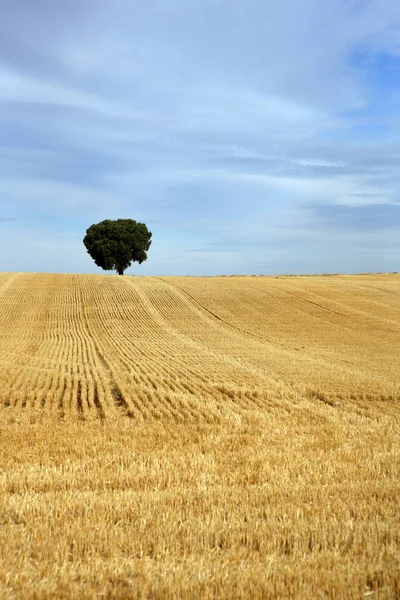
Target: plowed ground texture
[232,437]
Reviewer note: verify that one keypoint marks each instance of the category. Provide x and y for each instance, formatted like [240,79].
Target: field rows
[188,349]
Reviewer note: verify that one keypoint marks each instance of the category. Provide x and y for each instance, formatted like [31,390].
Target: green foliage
[114,245]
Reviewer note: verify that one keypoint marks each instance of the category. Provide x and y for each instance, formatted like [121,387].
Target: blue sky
[251,137]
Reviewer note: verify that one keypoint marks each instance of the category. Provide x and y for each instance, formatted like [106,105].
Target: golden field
[178,437]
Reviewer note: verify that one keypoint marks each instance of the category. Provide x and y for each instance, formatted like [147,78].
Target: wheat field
[179,437]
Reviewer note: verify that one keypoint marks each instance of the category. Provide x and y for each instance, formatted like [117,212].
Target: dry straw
[199,437]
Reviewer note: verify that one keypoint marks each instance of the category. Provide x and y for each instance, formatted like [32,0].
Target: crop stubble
[199,437]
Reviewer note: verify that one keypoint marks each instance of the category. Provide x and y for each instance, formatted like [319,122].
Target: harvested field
[228,437]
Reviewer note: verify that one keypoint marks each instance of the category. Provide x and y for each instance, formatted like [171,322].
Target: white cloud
[15,87]
[318,162]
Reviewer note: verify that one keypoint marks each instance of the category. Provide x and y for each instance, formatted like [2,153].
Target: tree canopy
[114,245]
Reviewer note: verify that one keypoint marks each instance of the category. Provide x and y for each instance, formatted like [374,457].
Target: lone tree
[116,244]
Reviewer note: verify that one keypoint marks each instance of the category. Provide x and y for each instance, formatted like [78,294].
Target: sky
[251,137]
